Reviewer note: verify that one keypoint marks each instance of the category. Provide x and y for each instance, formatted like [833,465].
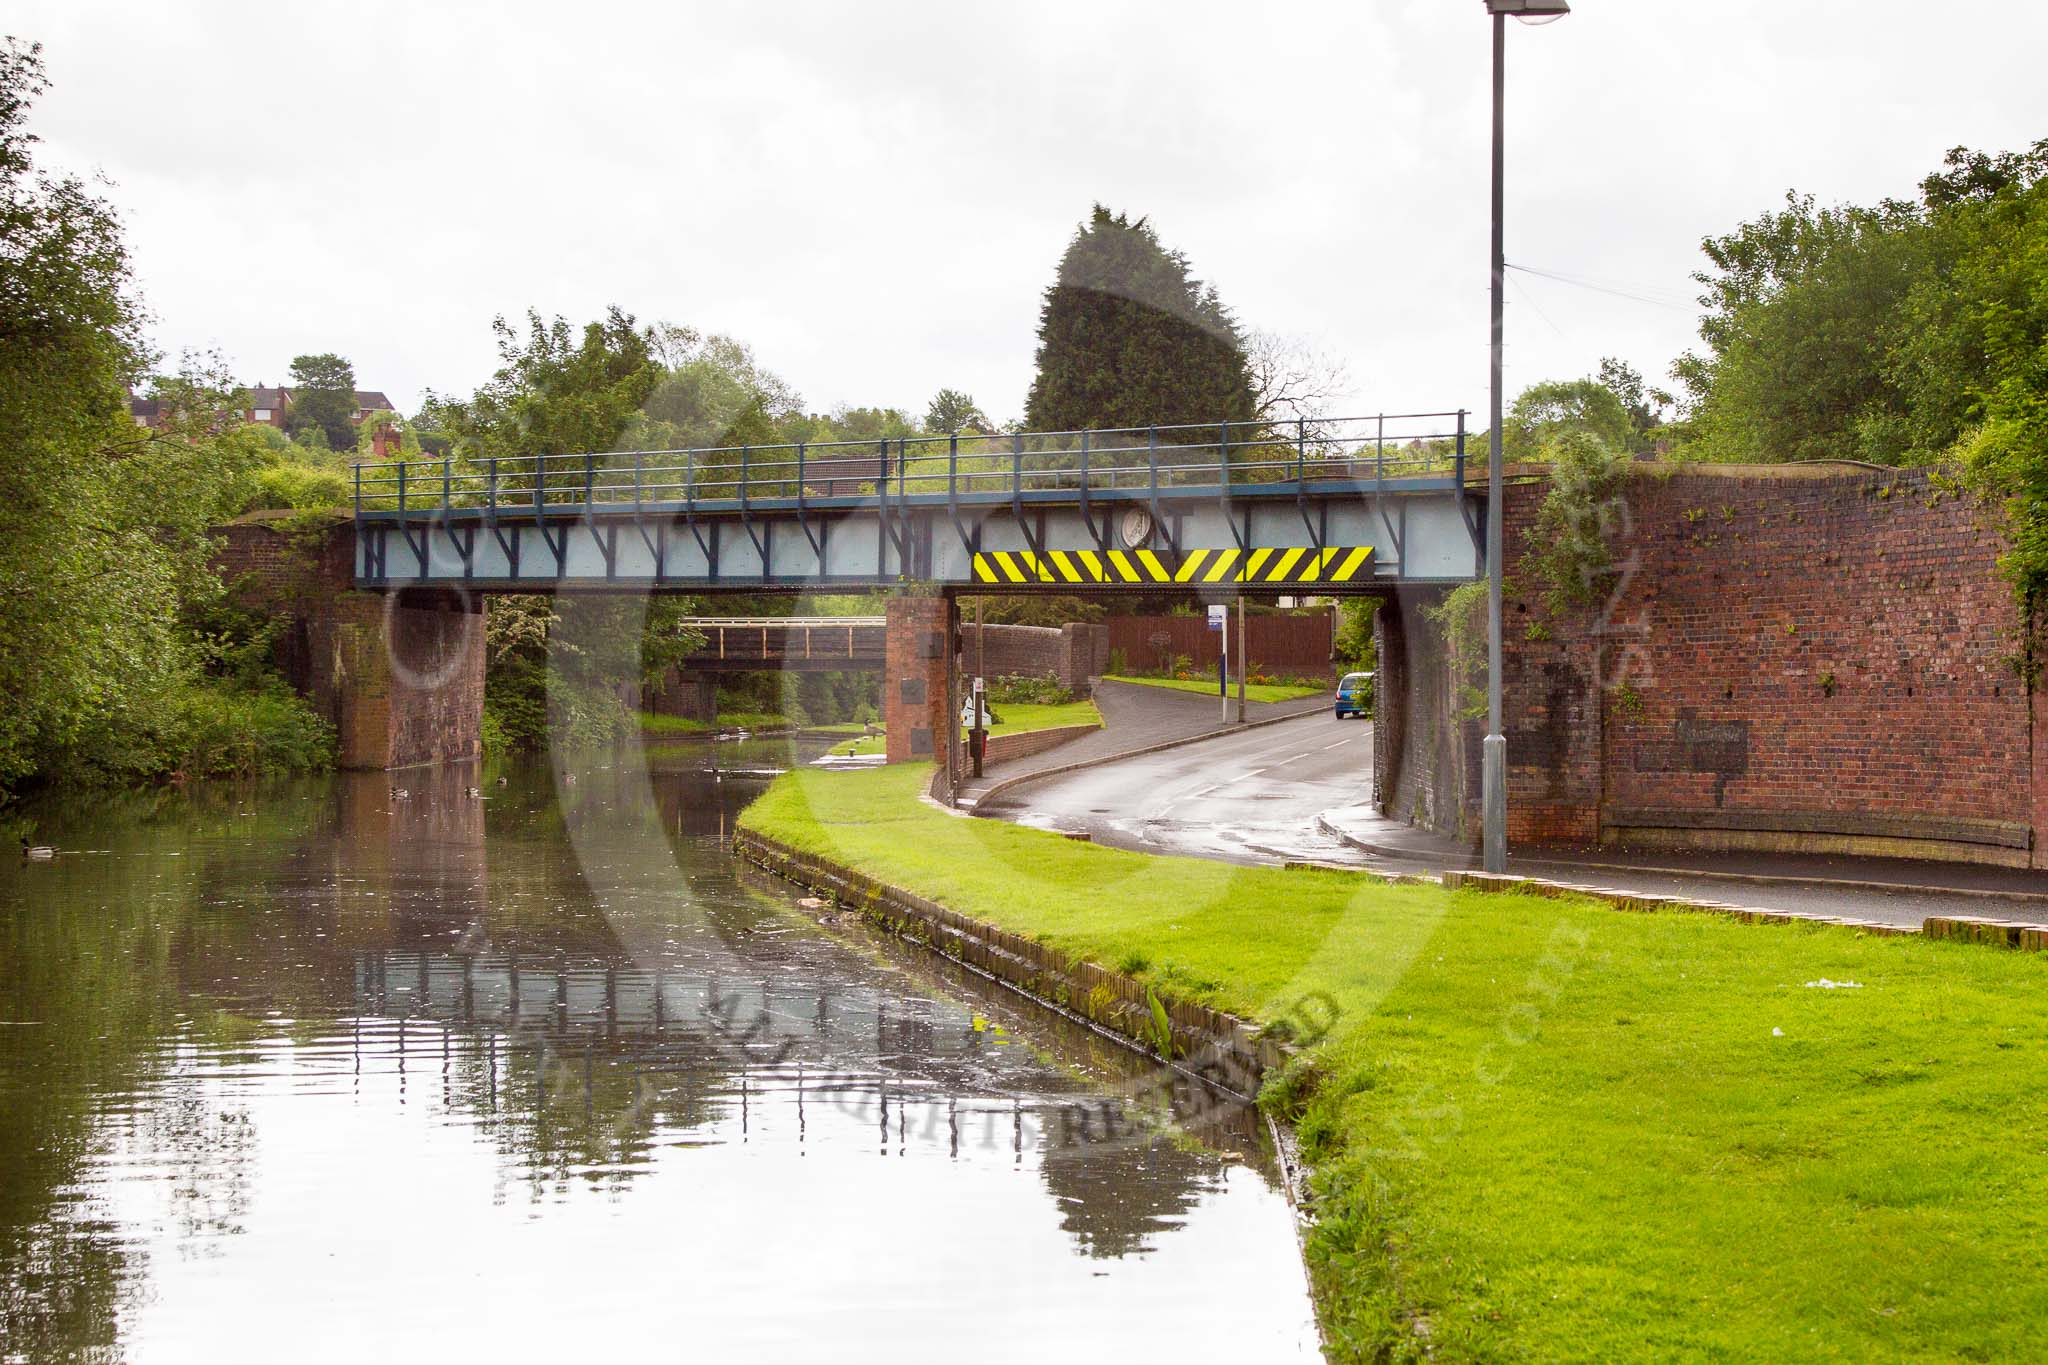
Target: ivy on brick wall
[1461,617]
[1581,510]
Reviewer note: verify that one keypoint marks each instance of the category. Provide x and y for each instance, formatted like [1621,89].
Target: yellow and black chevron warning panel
[1296,564]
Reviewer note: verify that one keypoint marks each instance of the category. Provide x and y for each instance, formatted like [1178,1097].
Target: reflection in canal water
[328,1070]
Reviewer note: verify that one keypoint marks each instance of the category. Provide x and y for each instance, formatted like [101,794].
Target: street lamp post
[1494,768]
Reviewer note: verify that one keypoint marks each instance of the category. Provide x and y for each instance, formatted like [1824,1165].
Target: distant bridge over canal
[803,644]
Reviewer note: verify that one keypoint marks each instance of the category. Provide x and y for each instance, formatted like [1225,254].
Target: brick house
[268,406]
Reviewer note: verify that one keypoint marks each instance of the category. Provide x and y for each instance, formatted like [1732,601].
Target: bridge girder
[1416,534]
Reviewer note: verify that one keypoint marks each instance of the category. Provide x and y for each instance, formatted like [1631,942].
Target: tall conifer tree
[1129,338]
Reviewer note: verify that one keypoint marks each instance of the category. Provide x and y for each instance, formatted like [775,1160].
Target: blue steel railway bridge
[1346,505]
[390,644]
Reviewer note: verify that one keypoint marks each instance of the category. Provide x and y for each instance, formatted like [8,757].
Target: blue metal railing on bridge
[1226,459]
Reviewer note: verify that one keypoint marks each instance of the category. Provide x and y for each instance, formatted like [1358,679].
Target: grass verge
[654,723]
[1015,717]
[1207,687]
[1546,1129]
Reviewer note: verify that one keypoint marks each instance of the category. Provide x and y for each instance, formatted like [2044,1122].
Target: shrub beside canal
[1544,1128]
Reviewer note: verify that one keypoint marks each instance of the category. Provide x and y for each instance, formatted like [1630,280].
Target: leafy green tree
[1543,413]
[1353,645]
[70,338]
[1978,356]
[1905,333]
[1128,337]
[558,390]
[85,596]
[952,410]
[866,424]
[568,668]
[104,527]
[1033,610]
[323,389]
[1801,308]
[711,392]
[1844,332]
[1644,405]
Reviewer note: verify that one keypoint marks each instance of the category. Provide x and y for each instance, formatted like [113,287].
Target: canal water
[371,1068]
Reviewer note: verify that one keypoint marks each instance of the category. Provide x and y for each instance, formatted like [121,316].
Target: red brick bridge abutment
[1815,658]
[400,675]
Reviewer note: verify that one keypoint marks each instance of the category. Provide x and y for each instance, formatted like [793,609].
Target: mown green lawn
[1014,717]
[1207,687]
[1550,1130]
[654,723]
[1011,718]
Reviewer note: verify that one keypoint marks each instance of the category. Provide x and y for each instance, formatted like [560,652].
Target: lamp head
[1530,11]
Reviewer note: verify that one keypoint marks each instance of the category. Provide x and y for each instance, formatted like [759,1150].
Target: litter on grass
[1826,985]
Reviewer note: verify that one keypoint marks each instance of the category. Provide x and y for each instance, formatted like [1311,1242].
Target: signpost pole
[977,735]
[1219,624]
[1242,665]
[978,739]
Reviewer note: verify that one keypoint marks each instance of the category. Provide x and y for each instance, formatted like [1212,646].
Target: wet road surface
[1249,797]
[1135,715]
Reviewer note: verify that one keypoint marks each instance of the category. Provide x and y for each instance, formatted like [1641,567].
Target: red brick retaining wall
[1005,748]
[1812,657]
[1073,653]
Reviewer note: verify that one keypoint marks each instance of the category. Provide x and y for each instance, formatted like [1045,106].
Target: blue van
[1354,695]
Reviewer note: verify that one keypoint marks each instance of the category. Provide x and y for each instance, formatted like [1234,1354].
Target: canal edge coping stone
[1217,1048]
[1956,928]
[1338,832]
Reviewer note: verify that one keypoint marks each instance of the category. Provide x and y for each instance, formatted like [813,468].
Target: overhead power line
[1603,289]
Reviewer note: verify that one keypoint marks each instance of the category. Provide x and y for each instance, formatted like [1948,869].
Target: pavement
[1299,791]
[1135,716]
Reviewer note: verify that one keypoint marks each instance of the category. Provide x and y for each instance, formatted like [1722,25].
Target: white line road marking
[1249,772]
[1193,795]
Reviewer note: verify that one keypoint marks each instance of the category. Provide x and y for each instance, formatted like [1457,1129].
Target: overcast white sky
[874,194]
